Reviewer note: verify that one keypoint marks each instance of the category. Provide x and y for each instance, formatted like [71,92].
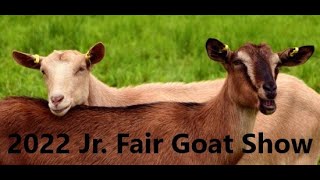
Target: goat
[103,95]
[249,87]
[298,117]
[70,83]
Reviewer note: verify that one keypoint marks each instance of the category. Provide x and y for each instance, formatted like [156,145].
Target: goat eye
[42,71]
[81,69]
[237,62]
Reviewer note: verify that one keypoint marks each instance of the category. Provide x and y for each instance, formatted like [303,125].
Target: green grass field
[142,49]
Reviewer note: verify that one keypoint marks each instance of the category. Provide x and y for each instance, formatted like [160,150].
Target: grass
[142,49]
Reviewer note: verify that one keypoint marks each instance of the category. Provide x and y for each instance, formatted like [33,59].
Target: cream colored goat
[69,83]
[297,116]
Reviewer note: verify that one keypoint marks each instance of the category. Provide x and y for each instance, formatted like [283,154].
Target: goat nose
[270,86]
[56,100]
[270,89]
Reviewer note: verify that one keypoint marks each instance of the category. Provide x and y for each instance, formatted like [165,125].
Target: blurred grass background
[143,49]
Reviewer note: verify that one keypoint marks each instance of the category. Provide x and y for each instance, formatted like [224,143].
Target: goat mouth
[267,106]
[60,112]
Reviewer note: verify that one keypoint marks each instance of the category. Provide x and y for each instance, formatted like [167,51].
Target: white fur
[248,62]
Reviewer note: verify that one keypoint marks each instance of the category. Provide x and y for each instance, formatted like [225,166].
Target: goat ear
[217,50]
[27,60]
[95,53]
[295,56]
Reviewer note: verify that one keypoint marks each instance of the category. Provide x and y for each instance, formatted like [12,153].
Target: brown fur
[162,120]
[28,121]
[232,112]
[201,92]
[297,115]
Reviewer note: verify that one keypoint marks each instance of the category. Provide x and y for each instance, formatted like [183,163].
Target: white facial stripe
[275,58]
[274,61]
[248,62]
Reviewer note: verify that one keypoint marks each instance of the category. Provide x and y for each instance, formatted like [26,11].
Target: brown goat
[249,87]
